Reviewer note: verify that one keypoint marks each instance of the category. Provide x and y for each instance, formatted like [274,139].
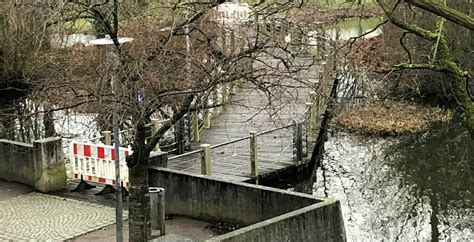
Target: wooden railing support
[310,116]
[206,159]
[207,114]
[107,137]
[297,140]
[179,132]
[216,102]
[155,126]
[253,155]
[195,127]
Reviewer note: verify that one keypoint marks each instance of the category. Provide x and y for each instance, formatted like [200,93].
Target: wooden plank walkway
[252,110]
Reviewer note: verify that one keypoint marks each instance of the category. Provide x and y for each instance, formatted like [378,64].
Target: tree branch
[444,11]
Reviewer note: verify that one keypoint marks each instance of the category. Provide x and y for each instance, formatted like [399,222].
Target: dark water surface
[415,187]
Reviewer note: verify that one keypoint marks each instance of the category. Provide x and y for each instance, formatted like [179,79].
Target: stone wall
[40,165]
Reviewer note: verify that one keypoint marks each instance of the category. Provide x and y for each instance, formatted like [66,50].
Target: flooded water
[415,187]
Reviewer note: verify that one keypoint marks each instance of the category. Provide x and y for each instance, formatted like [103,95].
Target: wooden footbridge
[253,135]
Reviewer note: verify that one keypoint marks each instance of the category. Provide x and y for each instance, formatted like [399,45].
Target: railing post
[225,93]
[207,114]
[216,102]
[179,133]
[297,141]
[195,127]
[157,209]
[310,116]
[206,159]
[155,126]
[232,88]
[253,155]
[107,137]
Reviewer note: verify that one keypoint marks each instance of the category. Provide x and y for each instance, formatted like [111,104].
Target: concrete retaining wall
[16,162]
[270,214]
[318,222]
[40,165]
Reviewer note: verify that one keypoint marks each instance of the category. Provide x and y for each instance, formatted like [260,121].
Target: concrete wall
[40,165]
[16,162]
[317,222]
[269,214]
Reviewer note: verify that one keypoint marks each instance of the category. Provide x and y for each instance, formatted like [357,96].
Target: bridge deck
[250,110]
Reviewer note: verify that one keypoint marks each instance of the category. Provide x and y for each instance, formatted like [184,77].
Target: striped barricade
[96,163]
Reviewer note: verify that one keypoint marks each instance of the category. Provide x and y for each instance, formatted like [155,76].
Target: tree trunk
[139,204]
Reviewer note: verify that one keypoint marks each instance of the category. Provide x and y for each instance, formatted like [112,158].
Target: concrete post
[107,137]
[157,209]
[253,154]
[49,166]
[195,127]
[155,126]
[206,159]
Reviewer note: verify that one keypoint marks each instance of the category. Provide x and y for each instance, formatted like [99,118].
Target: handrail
[231,142]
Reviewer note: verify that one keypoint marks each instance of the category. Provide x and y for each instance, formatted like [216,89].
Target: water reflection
[417,186]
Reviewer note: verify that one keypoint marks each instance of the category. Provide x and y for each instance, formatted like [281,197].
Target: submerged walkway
[251,109]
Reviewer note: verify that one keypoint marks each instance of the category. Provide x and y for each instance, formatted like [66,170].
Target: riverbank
[391,118]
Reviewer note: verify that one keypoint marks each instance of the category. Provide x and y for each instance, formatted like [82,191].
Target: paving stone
[37,216]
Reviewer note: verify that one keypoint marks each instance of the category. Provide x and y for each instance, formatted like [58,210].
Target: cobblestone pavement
[36,216]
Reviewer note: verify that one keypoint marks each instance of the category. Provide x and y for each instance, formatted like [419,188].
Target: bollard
[155,127]
[253,155]
[107,137]
[157,209]
[206,159]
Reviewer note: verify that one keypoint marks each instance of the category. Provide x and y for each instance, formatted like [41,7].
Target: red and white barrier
[96,163]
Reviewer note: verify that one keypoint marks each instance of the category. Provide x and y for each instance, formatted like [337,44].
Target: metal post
[253,154]
[154,129]
[107,137]
[157,209]
[206,159]
[118,198]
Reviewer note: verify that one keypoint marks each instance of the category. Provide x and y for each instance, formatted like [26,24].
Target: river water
[412,187]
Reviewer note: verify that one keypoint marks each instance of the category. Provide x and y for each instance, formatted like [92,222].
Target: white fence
[96,163]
